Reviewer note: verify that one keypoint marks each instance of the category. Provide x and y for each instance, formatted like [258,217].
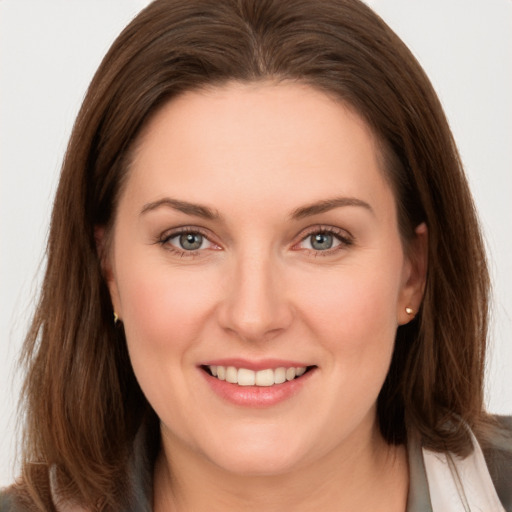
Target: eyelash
[345,239]
[164,239]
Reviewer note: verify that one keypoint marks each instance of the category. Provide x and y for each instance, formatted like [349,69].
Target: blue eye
[326,240]
[321,241]
[186,242]
[190,241]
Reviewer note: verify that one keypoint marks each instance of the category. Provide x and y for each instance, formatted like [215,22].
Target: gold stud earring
[409,311]
[116,318]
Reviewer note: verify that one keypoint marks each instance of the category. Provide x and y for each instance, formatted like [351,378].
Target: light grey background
[50,50]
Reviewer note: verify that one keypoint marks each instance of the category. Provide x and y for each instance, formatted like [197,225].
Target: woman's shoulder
[498,455]
[18,498]
[6,501]
[12,500]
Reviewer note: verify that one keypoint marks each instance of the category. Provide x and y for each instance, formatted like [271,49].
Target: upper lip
[255,365]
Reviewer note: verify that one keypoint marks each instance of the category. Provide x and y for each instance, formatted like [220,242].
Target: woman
[275,290]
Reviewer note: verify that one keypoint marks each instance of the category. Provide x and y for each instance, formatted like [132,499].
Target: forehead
[287,142]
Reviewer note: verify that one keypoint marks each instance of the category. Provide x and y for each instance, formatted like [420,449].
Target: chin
[250,464]
[258,455]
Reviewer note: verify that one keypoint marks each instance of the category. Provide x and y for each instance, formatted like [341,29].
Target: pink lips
[254,365]
[255,396]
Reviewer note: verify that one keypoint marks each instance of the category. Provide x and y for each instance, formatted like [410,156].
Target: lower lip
[257,396]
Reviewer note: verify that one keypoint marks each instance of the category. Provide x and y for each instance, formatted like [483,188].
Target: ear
[104,249]
[414,277]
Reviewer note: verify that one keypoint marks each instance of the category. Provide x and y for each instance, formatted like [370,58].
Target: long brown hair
[81,400]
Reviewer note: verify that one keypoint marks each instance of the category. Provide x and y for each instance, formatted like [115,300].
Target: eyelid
[178,230]
[163,239]
[342,235]
[345,238]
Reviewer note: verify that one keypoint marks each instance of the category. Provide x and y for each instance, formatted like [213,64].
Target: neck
[369,475]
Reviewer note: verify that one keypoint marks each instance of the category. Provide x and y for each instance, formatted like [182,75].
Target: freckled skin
[257,288]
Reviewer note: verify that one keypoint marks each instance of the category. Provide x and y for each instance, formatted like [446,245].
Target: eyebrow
[182,206]
[205,212]
[328,204]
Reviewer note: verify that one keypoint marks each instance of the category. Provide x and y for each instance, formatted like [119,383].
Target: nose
[255,306]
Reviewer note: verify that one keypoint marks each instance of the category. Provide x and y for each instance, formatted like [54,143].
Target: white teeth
[280,375]
[290,373]
[231,375]
[246,377]
[264,378]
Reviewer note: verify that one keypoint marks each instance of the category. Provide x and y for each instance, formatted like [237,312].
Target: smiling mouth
[263,378]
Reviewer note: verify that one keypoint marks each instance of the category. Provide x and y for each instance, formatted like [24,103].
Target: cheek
[355,311]
[163,307]
[164,311]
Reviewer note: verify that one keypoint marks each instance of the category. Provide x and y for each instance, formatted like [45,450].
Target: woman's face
[256,235]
